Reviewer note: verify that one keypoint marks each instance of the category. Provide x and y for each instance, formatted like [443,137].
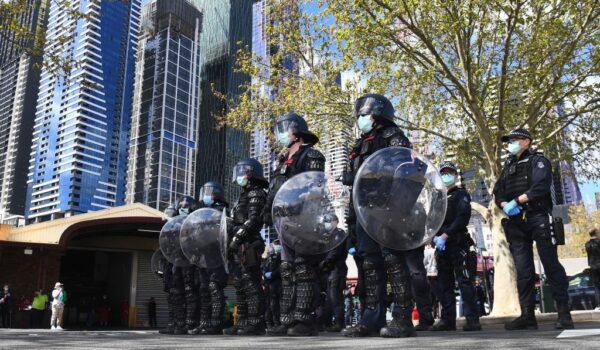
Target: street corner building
[103,252]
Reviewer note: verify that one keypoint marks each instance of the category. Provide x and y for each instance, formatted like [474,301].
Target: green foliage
[461,72]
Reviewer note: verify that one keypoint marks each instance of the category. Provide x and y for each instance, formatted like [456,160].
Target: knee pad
[287,272]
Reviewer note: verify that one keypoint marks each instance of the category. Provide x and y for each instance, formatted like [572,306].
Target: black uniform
[271,265]
[592,248]
[453,262]
[401,266]
[531,174]
[176,298]
[246,258]
[298,272]
[336,270]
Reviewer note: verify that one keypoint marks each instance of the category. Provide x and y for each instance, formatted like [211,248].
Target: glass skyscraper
[81,133]
[19,83]
[164,130]
[227,26]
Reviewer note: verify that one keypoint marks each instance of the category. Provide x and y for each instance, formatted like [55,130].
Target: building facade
[164,130]
[81,133]
[227,27]
[19,83]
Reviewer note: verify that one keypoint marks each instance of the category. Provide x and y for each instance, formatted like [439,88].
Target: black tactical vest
[517,176]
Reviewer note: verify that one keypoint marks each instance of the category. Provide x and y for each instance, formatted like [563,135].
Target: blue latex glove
[352,251]
[268,275]
[512,208]
[440,243]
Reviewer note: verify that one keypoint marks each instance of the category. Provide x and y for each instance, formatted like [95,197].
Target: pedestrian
[152,312]
[348,305]
[59,298]
[432,274]
[6,305]
[523,192]
[592,248]
[124,313]
[272,278]
[453,244]
[38,306]
[480,292]
[103,311]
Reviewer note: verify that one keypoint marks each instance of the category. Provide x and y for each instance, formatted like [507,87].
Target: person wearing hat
[374,115]
[523,193]
[59,297]
[298,272]
[452,243]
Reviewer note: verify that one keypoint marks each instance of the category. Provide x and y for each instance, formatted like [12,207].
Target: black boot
[335,328]
[170,323]
[278,330]
[423,325]
[399,327]
[359,331]
[442,326]
[303,329]
[525,321]
[564,320]
[472,326]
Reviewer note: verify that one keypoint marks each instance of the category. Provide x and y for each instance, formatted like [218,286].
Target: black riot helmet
[297,124]
[186,205]
[250,169]
[171,211]
[214,190]
[377,105]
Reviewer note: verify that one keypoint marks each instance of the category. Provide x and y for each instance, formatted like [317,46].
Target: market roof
[53,232]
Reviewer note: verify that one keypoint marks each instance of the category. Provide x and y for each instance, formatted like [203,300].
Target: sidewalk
[578,317]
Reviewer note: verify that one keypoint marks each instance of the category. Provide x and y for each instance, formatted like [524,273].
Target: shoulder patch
[540,164]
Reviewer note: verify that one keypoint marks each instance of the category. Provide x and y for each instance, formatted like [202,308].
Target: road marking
[572,333]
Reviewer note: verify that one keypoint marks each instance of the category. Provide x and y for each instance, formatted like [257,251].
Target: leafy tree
[577,231]
[462,73]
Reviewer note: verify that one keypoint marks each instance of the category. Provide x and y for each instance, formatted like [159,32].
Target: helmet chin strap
[293,142]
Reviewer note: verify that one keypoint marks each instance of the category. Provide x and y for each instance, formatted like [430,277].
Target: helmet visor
[242,170]
[284,126]
[208,190]
[367,106]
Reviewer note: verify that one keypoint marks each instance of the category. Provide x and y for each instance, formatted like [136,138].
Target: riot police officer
[190,274]
[453,243]
[523,193]
[592,247]
[335,268]
[167,277]
[272,278]
[375,118]
[246,247]
[298,272]
[212,281]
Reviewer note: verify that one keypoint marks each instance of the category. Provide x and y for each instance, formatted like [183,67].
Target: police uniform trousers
[272,314]
[211,297]
[453,267]
[299,287]
[334,301]
[246,279]
[521,231]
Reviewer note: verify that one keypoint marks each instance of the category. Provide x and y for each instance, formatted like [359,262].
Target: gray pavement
[491,338]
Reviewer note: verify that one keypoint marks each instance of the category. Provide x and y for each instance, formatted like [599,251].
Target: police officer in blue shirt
[453,243]
[523,193]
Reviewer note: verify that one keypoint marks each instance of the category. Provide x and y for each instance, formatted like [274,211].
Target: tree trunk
[506,297]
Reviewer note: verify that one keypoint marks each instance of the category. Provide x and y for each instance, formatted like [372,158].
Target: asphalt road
[495,338]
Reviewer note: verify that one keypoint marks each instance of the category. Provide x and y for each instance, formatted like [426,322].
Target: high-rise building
[81,133]
[164,129]
[30,19]
[226,27]
[597,194]
[565,189]
[19,83]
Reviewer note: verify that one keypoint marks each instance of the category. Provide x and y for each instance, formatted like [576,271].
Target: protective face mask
[365,124]
[514,147]
[184,211]
[208,200]
[448,180]
[242,181]
[277,248]
[327,226]
[283,138]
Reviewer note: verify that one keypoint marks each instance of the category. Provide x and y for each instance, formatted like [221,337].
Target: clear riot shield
[158,263]
[301,208]
[200,238]
[226,226]
[399,198]
[169,242]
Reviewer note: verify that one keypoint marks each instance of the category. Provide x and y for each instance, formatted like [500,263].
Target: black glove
[234,245]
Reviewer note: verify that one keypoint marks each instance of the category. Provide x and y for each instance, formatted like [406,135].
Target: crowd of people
[305,292]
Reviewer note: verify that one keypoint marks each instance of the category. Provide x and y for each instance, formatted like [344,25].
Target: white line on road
[572,333]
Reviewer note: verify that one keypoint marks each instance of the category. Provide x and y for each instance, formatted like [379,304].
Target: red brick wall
[27,273]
